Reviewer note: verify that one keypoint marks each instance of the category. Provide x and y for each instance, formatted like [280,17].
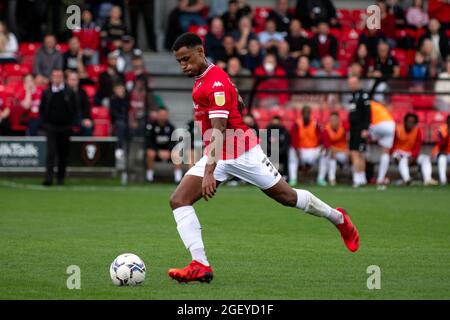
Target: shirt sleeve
[221,98]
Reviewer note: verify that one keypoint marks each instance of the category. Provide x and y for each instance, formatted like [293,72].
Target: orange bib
[338,139]
[443,130]
[307,134]
[405,141]
[379,113]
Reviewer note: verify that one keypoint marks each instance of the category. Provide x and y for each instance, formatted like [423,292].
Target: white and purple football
[127,270]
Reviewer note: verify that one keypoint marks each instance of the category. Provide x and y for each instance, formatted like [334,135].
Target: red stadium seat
[27,61]
[62,47]
[410,56]
[316,114]
[94,71]
[102,128]
[29,48]
[90,91]
[399,54]
[422,116]
[423,102]
[259,19]
[201,31]
[88,38]
[336,33]
[436,117]
[401,100]
[261,114]
[10,70]
[290,114]
[99,113]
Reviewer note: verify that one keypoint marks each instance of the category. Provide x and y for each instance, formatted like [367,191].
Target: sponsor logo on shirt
[217,84]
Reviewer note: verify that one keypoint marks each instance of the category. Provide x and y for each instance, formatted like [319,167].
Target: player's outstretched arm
[209,184]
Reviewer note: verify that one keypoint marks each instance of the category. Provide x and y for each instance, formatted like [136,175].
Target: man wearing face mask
[267,69]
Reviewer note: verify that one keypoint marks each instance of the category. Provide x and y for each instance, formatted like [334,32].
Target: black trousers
[57,150]
[146,10]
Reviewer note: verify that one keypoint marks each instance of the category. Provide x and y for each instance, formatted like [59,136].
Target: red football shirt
[215,96]
[33,112]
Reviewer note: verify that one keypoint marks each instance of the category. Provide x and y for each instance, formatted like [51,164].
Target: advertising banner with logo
[22,154]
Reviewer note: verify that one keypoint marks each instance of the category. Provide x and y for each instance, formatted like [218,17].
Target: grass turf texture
[259,250]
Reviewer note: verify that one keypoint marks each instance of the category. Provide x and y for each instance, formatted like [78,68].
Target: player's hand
[208,186]
[364,134]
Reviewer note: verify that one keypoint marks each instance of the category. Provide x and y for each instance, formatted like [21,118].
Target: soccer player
[306,146]
[216,105]
[406,150]
[359,119]
[442,151]
[382,130]
[335,142]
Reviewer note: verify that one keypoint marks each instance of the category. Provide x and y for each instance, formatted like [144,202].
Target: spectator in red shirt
[271,68]
[30,99]
[388,22]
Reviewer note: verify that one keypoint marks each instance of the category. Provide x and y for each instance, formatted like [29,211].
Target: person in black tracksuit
[159,144]
[59,113]
[284,140]
[359,119]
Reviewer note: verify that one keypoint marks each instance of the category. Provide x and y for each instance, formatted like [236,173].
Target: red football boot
[348,232]
[195,271]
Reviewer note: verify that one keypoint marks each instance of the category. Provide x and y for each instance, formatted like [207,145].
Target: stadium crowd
[106,72]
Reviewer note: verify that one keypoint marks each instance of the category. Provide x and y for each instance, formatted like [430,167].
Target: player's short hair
[411,115]
[188,40]
[276,117]
[334,113]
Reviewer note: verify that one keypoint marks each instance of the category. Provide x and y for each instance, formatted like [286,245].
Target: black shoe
[60,182]
[47,183]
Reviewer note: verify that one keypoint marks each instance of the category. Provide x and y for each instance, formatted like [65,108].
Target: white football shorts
[253,167]
[383,133]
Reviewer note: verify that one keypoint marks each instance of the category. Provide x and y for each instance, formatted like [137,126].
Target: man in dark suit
[59,113]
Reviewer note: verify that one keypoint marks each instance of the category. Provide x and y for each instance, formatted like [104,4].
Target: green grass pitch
[258,249]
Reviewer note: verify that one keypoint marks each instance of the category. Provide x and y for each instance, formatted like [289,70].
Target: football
[127,270]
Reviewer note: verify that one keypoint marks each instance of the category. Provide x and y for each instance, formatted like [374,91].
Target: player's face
[334,122]
[410,123]
[190,60]
[306,115]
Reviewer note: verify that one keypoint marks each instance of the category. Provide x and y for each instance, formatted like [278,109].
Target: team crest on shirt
[219,98]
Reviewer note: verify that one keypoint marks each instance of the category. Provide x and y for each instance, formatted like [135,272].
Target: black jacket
[60,108]
[443,42]
[359,112]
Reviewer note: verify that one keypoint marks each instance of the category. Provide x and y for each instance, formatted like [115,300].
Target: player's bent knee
[177,201]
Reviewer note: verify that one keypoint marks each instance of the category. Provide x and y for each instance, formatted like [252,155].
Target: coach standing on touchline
[59,113]
[359,119]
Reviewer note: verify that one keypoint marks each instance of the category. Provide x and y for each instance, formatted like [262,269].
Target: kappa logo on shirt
[217,84]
